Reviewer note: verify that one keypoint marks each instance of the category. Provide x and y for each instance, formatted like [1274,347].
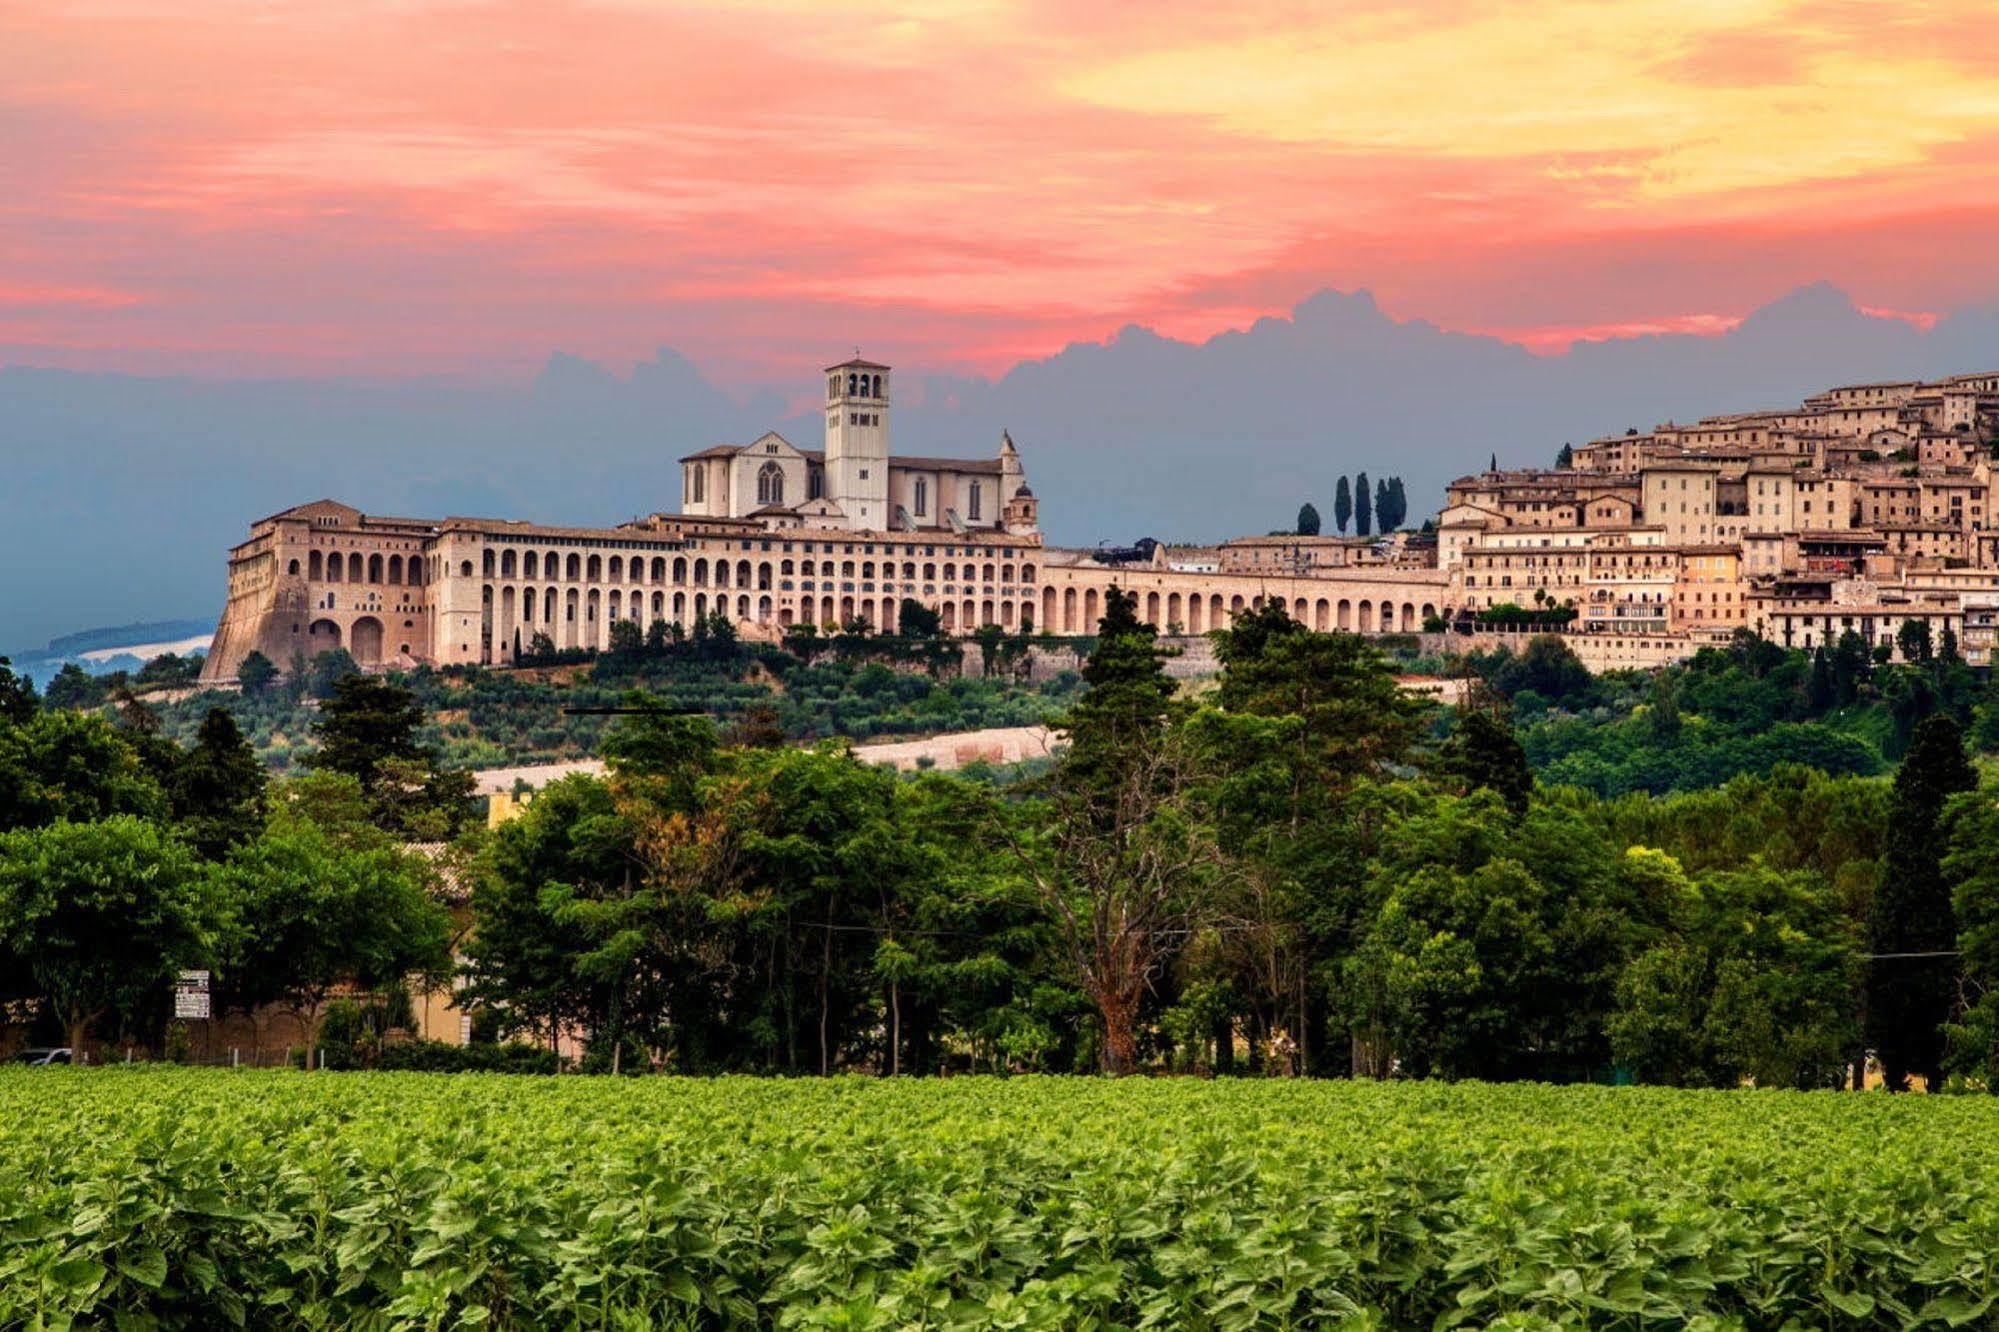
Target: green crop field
[184,1198]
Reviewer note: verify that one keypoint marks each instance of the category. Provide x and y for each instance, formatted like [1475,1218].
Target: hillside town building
[1864,508]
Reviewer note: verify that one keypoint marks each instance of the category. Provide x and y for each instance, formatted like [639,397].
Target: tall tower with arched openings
[857,442]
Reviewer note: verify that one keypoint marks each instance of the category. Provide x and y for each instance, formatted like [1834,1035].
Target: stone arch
[1068,609]
[321,636]
[680,608]
[763,610]
[764,576]
[1215,620]
[743,575]
[659,568]
[1322,615]
[396,567]
[595,569]
[315,567]
[1090,612]
[1152,608]
[1026,573]
[1006,615]
[354,567]
[743,607]
[488,565]
[986,613]
[530,566]
[1195,605]
[1048,605]
[615,571]
[573,569]
[1366,615]
[570,627]
[1345,621]
[947,619]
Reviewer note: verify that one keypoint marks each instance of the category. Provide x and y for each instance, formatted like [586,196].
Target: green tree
[368,719]
[325,672]
[1308,519]
[1911,981]
[100,915]
[1914,640]
[913,619]
[74,767]
[74,688]
[1363,506]
[1971,868]
[1115,864]
[217,789]
[323,906]
[1484,754]
[256,673]
[17,696]
[522,955]
[1343,505]
[1757,982]
[1565,458]
[627,639]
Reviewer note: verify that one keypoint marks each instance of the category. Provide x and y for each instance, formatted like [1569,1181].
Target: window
[922,496]
[770,484]
[972,502]
[697,484]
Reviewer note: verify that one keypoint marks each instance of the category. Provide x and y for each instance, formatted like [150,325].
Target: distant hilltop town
[1863,509]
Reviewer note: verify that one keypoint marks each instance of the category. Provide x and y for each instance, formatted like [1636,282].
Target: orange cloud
[451,185]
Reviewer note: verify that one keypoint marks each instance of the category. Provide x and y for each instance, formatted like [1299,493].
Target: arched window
[877,391]
[853,386]
[922,496]
[770,484]
[815,484]
[697,484]
[972,502]
[292,568]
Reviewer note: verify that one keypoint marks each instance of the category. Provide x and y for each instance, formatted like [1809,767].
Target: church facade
[768,534]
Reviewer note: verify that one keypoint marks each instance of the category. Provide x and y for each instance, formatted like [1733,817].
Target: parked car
[42,1056]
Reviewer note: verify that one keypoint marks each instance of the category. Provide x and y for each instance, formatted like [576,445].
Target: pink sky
[249,187]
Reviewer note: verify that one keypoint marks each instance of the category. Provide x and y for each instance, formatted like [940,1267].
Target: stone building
[769,535]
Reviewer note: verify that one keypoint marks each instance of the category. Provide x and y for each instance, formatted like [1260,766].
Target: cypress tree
[1129,701]
[1484,754]
[1343,505]
[1308,519]
[1363,507]
[1909,998]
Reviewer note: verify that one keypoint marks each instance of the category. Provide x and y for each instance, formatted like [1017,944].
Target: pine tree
[1566,458]
[1363,507]
[1384,506]
[255,673]
[1343,505]
[1308,519]
[1910,996]
[218,788]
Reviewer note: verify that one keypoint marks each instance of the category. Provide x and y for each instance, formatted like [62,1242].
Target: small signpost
[191,996]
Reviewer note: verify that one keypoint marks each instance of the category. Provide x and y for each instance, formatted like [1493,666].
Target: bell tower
[857,442]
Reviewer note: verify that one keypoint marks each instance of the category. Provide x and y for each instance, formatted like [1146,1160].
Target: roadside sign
[191,995]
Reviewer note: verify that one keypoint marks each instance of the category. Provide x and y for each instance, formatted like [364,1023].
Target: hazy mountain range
[123,494]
